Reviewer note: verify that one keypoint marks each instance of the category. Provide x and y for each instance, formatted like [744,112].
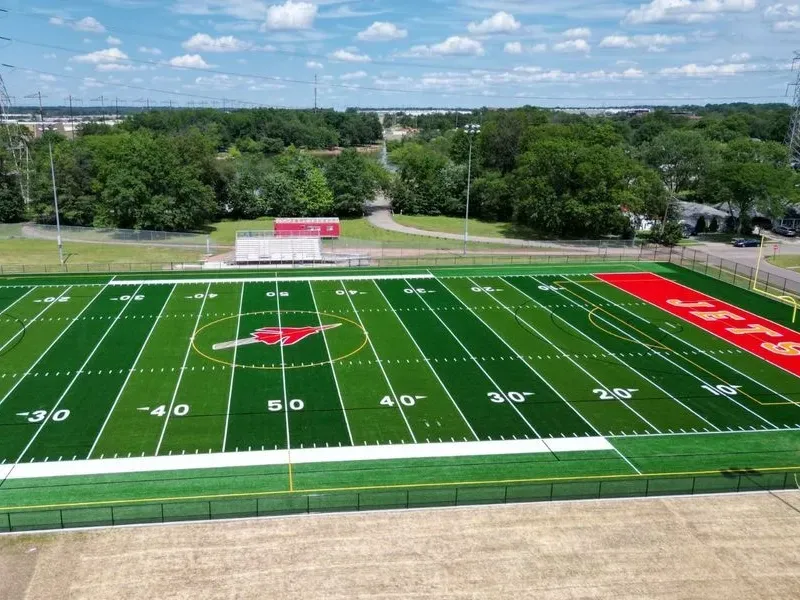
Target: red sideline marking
[764,338]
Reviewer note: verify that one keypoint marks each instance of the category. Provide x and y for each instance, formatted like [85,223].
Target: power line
[431,91]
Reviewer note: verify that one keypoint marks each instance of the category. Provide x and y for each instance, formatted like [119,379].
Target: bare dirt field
[734,546]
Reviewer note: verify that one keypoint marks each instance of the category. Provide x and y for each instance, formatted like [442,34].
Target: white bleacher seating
[252,249]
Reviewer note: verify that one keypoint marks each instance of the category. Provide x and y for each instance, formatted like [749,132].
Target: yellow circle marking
[278,367]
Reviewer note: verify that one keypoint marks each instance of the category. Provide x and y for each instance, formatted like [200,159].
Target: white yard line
[233,372]
[77,375]
[666,358]
[333,367]
[34,319]
[689,344]
[613,355]
[269,279]
[6,309]
[302,456]
[380,365]
[429,363]
[53,343]
[475,360]
[131,371]
[283,377]
[183,369]
[568,357]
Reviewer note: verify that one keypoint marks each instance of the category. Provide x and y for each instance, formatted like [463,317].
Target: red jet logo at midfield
[272,336]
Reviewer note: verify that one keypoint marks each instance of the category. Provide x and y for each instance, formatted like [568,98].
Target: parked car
[741,243]
[786,231]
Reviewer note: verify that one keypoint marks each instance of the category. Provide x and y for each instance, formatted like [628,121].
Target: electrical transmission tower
[793,137]
[16,144]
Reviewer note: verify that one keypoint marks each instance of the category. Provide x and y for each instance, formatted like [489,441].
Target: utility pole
[41,110]
[72,117]
[116,109]
[793,136]
[472,130]
[55,204]
[101,99]
[315,92]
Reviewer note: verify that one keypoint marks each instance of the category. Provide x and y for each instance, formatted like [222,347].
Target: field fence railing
[733,272]
[352,257]
[298,503]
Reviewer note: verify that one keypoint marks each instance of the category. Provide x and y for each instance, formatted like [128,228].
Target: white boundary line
[474,359]
[612,354]
[666,358]
[269,279]
[73,320]
[380,364]
[283,377]
[233,371]
[131,371]
[183,369]
[75,378]
[333,367]
[427,361]
[302,456]
[692,346]
[34,319]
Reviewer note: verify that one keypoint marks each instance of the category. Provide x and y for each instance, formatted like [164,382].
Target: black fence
[413,497]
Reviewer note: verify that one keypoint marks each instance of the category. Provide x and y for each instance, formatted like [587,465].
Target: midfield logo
[271,336]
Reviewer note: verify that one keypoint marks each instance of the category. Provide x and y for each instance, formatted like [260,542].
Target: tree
[713,226]
[352,183]
[12,204]
[681,156]
[700,227]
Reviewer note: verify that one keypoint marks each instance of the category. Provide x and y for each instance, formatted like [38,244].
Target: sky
[391,53]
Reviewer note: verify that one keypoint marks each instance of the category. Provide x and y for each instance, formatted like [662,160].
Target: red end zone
[764,338]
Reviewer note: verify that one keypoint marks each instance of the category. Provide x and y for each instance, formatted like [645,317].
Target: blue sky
[393,53]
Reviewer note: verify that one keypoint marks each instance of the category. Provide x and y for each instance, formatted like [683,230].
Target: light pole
[55,204]
[472,130]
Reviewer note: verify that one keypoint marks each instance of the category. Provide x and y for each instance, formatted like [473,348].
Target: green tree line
[579,176]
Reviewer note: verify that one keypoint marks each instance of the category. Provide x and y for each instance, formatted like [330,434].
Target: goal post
[774,246]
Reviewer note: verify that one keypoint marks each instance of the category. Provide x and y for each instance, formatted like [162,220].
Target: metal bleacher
[264,247]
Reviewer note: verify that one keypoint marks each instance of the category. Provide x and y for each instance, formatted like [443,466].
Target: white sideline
[300,456]
[269,279]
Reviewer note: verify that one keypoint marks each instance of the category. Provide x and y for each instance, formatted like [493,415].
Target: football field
[177,386]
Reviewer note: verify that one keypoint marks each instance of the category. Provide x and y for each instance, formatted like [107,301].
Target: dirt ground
[734,546]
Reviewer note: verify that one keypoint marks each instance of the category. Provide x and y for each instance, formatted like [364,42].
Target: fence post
[735,271]
[600,489]
[694,482]
[505,495]
[162,512]
[112,515]
[358,501]
[647,487]
[455,501]
[8,515]
[61,517]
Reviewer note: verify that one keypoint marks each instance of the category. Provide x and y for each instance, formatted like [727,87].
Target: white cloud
[202,42]
[694,70]
[536,48]
[686,11]
[109,55]
[191,61]
[500,22]
[578,33]
[455,45]
[355,75]
[381,31]
[740,57]
[513,48]
[519,48]
[783,26]
[89,24]
[113,41]
[572,46]
[292,15]
[352,55]
[146,50]
[108,67]
[784,17]
[312,64]
[653,43]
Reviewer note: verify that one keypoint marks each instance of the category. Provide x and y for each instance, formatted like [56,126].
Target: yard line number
[404,400]
[279,295]
[516,397]
[136,298]
[615,394]
[417,291]
[179,410]
[38,416]
[277,405]
[551,288]
[722,389]
[52,299]
[488,289]
[200,296]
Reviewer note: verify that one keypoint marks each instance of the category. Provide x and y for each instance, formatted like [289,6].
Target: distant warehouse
[323,227]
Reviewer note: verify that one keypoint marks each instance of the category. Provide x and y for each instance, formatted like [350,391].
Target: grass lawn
[787,261]
[456,225]
[45,252]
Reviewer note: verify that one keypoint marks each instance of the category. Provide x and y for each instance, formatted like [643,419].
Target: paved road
[749,257]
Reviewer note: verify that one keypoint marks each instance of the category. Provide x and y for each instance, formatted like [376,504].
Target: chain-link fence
[122,513]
